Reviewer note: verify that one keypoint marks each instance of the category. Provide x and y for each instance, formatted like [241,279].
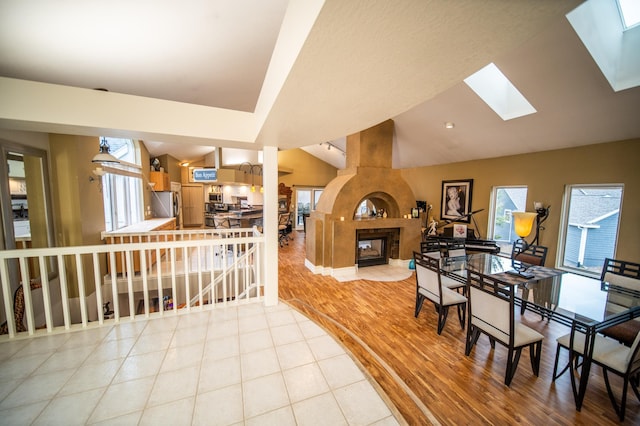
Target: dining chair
[612,356]
[625,274]
[491,311]
[429,286]
[456,248]
[523,256]
[621,273]
[283,228]
[431,248]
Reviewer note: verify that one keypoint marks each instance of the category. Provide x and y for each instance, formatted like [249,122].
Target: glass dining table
[587,305]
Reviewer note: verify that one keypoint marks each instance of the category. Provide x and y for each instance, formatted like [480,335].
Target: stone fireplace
[349,210]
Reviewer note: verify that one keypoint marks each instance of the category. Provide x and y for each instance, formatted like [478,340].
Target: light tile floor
[377,273]
[249,365]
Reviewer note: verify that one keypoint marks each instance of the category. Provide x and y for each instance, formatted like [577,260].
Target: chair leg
[620,410]
[512,364]
[535,350]
[442,317]
[462,312]
[472,337]
[634,385]
[555,364]
[492,342]
[419,302]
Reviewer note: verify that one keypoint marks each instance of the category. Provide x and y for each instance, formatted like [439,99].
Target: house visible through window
[122,186]
[506,199]
[590,226]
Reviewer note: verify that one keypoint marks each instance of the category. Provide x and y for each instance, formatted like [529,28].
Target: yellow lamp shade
[523,222]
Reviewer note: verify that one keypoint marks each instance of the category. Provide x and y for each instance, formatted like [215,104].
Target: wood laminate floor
[427,377]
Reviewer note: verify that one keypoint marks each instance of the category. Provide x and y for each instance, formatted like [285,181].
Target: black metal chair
[491,311]
[625,274]
[455,247]
[431,247]
[429,285]
[523,256]
[529,254]
[612,356]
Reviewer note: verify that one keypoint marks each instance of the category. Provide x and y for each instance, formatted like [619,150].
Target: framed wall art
[456,200]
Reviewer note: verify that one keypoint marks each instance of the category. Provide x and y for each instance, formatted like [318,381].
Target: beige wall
[307,169]
[545,174]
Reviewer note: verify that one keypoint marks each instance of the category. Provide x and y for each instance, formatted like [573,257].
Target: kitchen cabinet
[192,205]
[161,180]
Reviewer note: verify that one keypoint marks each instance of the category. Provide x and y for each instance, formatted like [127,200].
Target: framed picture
[459,231]
[415,213]
[456,200]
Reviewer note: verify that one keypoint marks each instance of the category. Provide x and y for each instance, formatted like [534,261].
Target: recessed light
[449,125]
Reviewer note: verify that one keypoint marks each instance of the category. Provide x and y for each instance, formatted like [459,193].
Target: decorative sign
[205,175]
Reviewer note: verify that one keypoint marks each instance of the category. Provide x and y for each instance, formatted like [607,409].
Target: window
[504,200]
[122,186]
[589,228]
[306,200]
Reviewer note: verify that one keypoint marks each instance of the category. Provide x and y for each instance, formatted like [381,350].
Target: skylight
[495,89]
[613,47]
[630,12]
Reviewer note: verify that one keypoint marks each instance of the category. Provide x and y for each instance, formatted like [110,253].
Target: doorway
[306,200]
[25,202]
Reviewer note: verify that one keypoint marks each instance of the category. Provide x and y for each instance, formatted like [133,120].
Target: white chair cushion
[434,297]
[605,351]
[450,297]
[450,282]
[616,358]
[525,335]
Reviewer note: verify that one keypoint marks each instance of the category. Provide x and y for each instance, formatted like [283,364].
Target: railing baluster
[185,262]
[172,250]
[132,308]
[97,279]
[199,263]
[81,293]
[145,283]
[114,286]
[46,294]
[159,275]
[62,274]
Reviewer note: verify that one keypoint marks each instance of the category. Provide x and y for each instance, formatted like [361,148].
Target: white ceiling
[338,67]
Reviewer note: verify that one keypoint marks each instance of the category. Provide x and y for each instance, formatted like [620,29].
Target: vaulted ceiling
[189,76]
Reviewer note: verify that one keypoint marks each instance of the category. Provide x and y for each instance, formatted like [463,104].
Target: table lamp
[522,223]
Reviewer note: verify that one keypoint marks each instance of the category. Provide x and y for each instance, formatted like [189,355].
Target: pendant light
[103,156]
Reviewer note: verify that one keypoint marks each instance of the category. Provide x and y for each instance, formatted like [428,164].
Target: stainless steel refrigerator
[167,204]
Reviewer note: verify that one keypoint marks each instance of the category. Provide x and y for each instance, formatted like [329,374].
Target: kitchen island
[245,218]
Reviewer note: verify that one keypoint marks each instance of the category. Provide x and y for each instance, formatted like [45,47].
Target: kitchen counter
[144,226]
[246,218]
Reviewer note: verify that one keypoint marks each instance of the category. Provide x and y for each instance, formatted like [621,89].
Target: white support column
[270,224]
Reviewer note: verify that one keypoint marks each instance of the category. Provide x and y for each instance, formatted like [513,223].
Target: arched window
[122,185]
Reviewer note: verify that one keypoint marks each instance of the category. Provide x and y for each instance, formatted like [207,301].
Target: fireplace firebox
[375,246]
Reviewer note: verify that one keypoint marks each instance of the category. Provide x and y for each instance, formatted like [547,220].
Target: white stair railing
[160,273]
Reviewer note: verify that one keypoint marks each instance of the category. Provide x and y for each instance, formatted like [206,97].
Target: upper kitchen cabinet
[161,181]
